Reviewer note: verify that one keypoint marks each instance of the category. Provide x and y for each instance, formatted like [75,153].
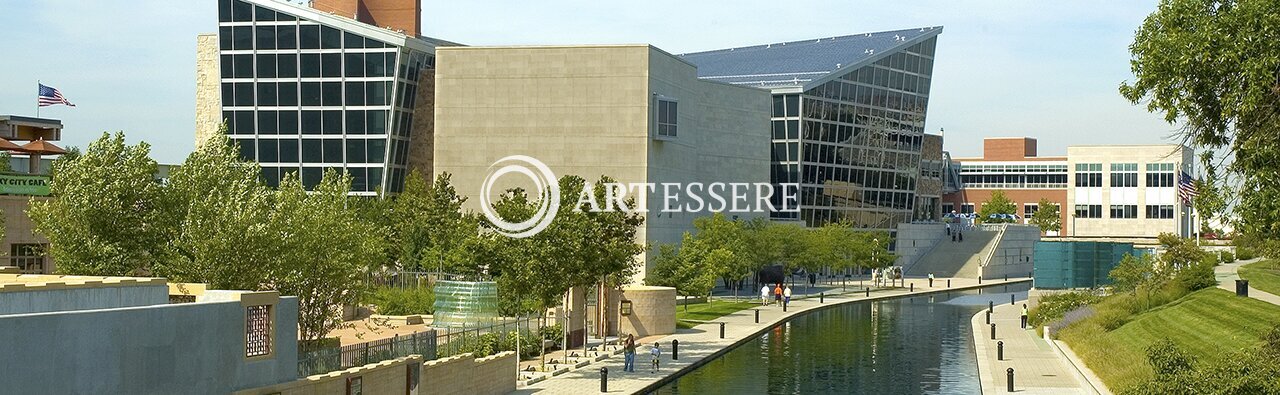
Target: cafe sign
[14,184]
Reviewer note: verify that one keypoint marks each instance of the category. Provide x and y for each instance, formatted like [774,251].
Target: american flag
[50,96]
[1186,188]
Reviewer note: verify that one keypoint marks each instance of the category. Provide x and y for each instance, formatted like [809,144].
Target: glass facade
[1014,176]
[301,96]
[854,143]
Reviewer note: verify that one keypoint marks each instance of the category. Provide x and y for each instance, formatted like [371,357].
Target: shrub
[1196,276]
[1052,307]
[553,332]
[1227,257]
[403,301]
[1245,253]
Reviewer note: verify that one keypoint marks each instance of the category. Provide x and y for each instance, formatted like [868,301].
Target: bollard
[604,379]
[757,316]
[721,330]
[1011,299]
[675,348]
[1000,350]
[948,283]
[979,279]
[784,307]
[1010,389]
[993,331]
[988,318]
[990,305]
[868,292]
[913,287]
[822,297]
[1006,277]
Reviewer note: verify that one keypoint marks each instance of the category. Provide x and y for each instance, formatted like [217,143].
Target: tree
[1047,216]
[1195,63]
[997,204]
[429,229]
[324,247]
[219,206]
[1133,272]
[1179,252]
[104,217]
[716,232]
[688,268]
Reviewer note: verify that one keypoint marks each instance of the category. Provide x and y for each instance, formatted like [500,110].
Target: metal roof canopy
[16,127]
[805,63]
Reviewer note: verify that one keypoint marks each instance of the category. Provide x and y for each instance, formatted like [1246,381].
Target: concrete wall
[463,374]
[18,228]
[1014,255]
[1141,196]
[653,311]
[916,240]
[586,111]
[388,377]
[208,88]
[162,349]
[36,298]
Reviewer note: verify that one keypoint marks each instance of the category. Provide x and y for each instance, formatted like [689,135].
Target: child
[655,352]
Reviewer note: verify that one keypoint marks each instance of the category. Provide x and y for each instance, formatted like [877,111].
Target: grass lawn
[1263,275]
[1208,323]
[708,311]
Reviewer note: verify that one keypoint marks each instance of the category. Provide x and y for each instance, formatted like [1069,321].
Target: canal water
[916,345]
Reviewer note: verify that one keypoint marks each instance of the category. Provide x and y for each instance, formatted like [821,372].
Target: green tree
[1047,216]
[1179,252]
[219,206]
[105,216]
[997,204]
[324,249]
[689,268]
[1195,63]
[429,230]
[1133,272]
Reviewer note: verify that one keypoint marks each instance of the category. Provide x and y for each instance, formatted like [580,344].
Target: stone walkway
[1038,368]
[703,343]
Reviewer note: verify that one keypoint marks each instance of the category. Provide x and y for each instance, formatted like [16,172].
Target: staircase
[957,259]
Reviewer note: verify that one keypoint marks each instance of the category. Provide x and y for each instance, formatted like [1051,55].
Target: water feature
[916,345]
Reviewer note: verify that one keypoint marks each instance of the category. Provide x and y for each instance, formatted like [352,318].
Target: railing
[995,242]
[403,279]
[430,344]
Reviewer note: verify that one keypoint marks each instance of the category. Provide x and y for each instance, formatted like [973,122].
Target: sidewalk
[1227,276]
[703,343]
[1038,369]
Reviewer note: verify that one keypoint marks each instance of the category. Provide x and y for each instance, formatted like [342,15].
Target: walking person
[629,355]
[930,280]
[948,228]
[764,295]
[1024,316]
[655,352]
[777,294]
[786,296]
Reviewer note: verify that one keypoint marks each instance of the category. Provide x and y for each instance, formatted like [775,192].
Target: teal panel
[1077,264]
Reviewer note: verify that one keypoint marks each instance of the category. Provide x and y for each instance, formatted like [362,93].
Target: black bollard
[1010,371]
[604,379]
[868,292]
[979,279]
[1000,350]
[993,331]
[1006,277]
[948,283]
[1010,299]
[913,287]
[722,330]
[822,297]
[988,318]
[784,307]
[675,348]
[757,316]
[990,305]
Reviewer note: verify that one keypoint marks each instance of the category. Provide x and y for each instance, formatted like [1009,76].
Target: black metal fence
[430,344]
[400,279]
[328,359]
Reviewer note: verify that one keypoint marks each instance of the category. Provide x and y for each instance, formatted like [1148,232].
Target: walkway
[703,343]
[1227,276]
[1038,367]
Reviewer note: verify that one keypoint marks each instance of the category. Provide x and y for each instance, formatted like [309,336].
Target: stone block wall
[1014,256]
[916,240]
[653,311]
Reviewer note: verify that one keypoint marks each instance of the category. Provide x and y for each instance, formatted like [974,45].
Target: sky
[1048,70]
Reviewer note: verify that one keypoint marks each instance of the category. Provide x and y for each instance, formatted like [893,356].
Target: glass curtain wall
[854,143]
[300,96]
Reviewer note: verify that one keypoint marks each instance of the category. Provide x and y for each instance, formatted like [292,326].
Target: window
[1089,211]
[1160,211]
[30,258]
[1124,180]
[266,37]
[666,118]
[1088,180]
[966,208]
[948,208]
[1030,209]
[355,386]
[1160,180]
[1124,211]
[257,330]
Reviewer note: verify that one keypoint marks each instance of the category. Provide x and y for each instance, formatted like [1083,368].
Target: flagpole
[37,98]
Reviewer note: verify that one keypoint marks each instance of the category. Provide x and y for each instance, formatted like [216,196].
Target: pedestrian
[1024,316]
[953,237]
[948,228]
[655,352]
[786,296]
[777,293]
[961,235]
[930,280]
[764,295]
[629,354]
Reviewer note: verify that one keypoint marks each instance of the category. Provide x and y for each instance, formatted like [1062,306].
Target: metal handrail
[995,243]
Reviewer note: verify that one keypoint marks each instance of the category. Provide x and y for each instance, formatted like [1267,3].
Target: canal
[915,345]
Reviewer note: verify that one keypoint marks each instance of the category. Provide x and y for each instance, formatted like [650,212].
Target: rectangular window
[30,258]
[1124,180]
[947,208]
[1029,209]
[966,208]
[1159,180]
[666,119]
[309,36]
[1124,211]
[1089,211]
[1160,211]
[257,330]
[1088,180]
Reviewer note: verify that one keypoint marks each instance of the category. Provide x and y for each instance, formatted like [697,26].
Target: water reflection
[920,345]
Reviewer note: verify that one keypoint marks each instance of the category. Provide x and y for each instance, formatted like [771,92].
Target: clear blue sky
[1042,69]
